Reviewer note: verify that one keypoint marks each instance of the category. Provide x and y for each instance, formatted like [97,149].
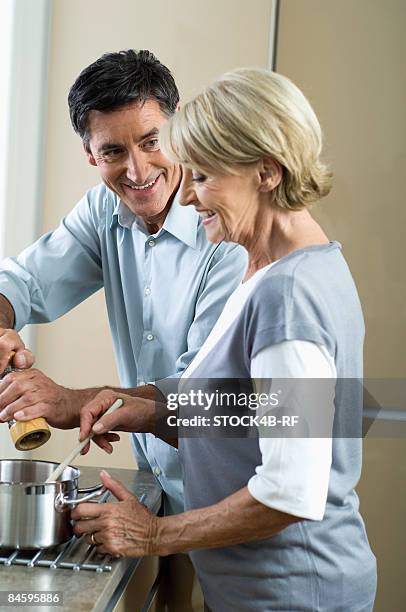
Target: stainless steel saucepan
[35,514]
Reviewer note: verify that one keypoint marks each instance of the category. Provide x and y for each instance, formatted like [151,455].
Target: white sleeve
[294,474]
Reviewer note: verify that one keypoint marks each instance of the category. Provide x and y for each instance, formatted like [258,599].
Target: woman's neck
[279,233]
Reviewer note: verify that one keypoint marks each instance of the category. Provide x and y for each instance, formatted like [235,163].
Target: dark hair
[117,79]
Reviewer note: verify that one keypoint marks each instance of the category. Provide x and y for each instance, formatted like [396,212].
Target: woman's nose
[187,193]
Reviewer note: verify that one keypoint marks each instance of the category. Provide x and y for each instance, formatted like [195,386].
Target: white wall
[6,19]
[198,41]
[349,58]
[24,61]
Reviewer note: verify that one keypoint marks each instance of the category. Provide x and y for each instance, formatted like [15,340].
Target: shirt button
[147,291]
[150,337]
[151,243]
[157,471]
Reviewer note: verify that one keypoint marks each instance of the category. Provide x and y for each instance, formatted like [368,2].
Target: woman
[270,523]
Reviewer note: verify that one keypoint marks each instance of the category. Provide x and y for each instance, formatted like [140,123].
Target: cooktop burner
[75,555]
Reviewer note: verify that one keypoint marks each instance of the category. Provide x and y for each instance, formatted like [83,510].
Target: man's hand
[29,394]
[124,529]
[10,341]
[136,415]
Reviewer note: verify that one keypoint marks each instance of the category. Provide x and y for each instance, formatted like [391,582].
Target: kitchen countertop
[85,590]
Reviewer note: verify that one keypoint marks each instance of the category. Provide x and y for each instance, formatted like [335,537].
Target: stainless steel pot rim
[37,516]
[39,484]
[34,484]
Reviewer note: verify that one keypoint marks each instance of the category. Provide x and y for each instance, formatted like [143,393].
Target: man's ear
[177,107]
[270,173]
[89,154]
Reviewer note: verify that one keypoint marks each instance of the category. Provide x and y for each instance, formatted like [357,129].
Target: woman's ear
[270,173]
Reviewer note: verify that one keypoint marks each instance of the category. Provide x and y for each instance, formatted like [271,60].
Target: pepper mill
[27,435]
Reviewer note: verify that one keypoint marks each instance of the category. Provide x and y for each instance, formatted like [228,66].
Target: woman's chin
[214,235]
[214,230]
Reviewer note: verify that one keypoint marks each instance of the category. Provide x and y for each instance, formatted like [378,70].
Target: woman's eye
[198,178]
[152,144]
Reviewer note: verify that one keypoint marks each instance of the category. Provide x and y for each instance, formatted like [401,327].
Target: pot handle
[62,502]
[86,490]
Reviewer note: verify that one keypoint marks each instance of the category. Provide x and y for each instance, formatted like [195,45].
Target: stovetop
[76,555]
[89,591]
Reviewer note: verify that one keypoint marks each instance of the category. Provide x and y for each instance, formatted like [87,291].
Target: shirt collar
[123,215]
[181,221]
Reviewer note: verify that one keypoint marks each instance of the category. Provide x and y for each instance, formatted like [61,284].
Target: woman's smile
[207,216]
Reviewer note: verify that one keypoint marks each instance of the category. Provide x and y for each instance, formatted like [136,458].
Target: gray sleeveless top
[311,565]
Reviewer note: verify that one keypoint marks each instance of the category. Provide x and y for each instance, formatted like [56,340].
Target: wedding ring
[93,540]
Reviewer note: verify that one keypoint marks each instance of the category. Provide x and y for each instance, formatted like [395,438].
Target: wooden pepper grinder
[27,435]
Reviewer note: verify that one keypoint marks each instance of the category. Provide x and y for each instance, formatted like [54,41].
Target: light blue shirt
[164,292]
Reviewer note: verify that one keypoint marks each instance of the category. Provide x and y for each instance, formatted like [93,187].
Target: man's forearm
[7,315]
[84,396]
[149,392]
[237,518]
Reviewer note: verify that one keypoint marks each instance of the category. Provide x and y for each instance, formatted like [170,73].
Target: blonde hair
[245,115]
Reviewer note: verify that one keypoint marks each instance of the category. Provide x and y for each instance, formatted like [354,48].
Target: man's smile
[143,190]
[144,186]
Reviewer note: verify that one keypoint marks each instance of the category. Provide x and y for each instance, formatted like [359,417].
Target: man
[165,285]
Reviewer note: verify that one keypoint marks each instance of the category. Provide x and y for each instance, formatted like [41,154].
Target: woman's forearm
[237,518]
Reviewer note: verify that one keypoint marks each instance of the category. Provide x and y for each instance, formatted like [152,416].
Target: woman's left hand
[123,529]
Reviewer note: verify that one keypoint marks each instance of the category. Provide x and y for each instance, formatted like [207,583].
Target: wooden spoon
[58,471]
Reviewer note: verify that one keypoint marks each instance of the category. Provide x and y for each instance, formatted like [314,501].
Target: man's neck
[154,224]
[152,229]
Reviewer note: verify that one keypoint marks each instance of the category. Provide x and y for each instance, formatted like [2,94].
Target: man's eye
[113,153]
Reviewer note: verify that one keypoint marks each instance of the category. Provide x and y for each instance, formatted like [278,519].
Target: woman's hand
[136,415]
[123,529]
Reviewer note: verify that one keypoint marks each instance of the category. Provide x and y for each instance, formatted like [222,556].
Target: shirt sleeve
[225,273]
[294,474]
[60,270]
